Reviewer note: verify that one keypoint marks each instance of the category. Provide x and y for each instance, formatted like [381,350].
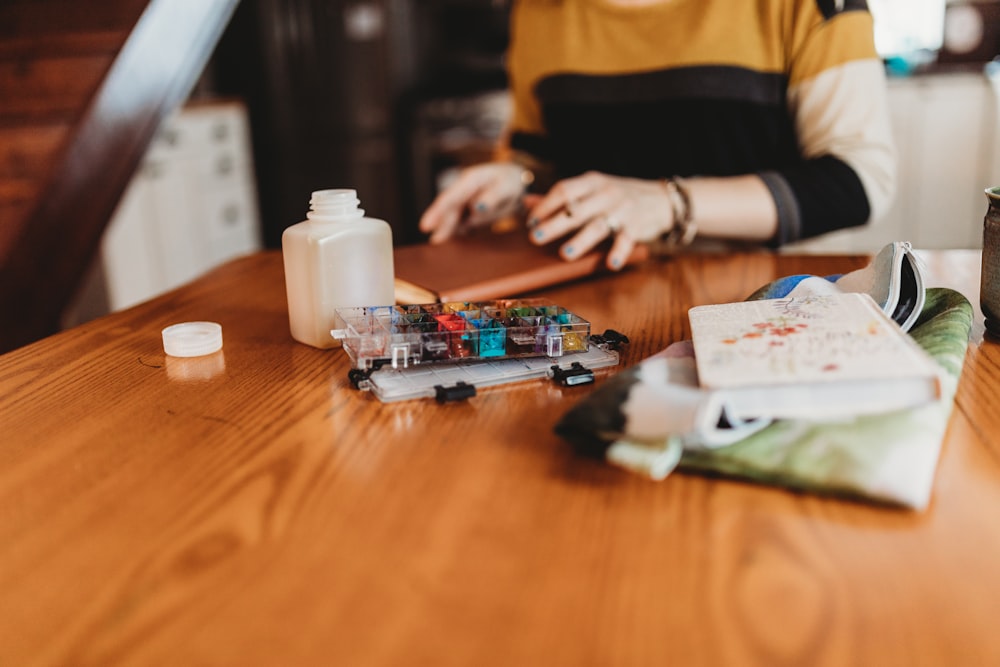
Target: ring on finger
[613,224]
[568,206]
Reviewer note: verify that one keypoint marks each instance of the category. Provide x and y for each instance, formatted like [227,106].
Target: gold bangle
[684,227]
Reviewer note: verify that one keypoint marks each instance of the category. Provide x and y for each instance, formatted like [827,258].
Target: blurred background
[378,95]
[387,97]
[391,97]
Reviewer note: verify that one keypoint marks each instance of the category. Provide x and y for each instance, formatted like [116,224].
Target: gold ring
[568,206]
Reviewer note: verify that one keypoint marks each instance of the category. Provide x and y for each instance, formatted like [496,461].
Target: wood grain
[252,508]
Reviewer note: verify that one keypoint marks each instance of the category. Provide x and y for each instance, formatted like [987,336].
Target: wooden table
[254,509]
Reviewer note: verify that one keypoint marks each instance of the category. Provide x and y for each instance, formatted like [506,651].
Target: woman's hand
[481,194]
[596,206]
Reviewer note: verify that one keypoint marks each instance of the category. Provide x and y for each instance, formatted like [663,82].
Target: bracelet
[685,228]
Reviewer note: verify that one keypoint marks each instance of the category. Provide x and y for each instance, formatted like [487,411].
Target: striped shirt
[791,90]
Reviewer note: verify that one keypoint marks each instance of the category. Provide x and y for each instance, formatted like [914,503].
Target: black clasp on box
[610,339]
[576,374]
[361,377]
[456,392]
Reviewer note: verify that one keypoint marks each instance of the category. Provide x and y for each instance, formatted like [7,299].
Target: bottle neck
[334,206]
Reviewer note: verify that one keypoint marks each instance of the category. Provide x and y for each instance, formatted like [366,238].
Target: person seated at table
[661,120]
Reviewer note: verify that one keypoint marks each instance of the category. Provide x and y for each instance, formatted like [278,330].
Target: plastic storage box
[449,332]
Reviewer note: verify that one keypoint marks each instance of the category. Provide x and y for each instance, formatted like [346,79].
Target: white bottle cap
[192,339]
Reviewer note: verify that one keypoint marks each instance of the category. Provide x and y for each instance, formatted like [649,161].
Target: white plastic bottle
[336,258]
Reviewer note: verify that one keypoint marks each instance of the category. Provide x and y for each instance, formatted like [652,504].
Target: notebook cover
[794,341]
[489,265]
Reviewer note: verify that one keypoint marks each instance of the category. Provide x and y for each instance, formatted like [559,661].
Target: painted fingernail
[616,263]
[481,206]
[569,250]
[538,234]
[533,222]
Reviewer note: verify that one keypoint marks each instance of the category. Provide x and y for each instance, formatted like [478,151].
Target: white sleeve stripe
[844,112]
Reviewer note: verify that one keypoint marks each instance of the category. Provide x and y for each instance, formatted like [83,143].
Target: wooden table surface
[252,508]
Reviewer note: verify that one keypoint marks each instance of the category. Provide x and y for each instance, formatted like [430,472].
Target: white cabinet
[946,129]
[191,206]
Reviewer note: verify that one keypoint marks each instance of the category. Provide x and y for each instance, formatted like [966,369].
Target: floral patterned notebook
[811,356]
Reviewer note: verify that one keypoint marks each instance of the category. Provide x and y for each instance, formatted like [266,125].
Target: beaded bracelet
[684,228]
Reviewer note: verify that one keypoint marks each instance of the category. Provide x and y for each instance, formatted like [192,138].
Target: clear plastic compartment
[435,332]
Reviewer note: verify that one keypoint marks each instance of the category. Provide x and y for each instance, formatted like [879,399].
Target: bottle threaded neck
[337,204]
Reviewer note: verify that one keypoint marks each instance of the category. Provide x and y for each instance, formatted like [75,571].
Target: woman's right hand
[481,194]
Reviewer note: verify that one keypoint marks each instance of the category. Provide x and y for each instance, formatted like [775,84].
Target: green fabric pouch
[889,458]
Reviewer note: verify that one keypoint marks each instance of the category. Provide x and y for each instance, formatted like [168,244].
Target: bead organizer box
[404,335]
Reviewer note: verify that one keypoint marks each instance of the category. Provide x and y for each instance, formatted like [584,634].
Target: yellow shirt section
[598,37]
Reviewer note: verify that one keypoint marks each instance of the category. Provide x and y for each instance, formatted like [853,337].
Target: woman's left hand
[595,206]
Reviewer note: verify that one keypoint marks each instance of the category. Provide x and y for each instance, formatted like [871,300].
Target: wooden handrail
[51,246]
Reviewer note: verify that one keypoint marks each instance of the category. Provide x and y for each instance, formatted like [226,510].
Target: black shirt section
[711,120]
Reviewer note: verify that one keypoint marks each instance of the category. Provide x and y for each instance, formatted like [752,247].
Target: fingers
[554,227]
[553,203]
[446,211]
[480,194]
[503,187]
[591,208]
[585,201]
[587,238]
[564,196]
[620,251]
[495,199]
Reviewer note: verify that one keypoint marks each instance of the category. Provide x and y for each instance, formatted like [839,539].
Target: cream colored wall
[947,132]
